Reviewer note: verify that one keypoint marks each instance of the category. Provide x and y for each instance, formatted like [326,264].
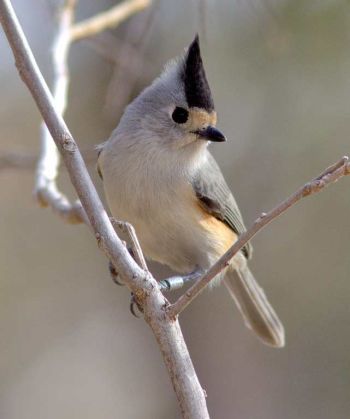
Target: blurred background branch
[108,19]
[46,189]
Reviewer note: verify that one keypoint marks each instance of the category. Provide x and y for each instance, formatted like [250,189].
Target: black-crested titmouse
[159,175]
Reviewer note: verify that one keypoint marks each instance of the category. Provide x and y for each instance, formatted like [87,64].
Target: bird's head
[177,109]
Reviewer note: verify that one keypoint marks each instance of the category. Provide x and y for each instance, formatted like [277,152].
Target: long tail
[257,312]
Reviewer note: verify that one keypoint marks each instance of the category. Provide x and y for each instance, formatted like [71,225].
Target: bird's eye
[180,115]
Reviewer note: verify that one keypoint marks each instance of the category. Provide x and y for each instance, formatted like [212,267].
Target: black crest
[197,89]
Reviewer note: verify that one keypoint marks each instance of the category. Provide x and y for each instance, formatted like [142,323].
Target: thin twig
[129,230]
[330,175]
[190,395]
[108,19]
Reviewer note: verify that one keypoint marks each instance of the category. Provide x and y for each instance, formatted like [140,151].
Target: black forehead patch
[197,88]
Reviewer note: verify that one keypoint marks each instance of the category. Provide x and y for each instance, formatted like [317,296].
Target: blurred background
[69,348]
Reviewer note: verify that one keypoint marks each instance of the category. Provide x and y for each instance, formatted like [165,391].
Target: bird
[159,175]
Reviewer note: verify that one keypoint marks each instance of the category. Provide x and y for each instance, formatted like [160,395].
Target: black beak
[211,134]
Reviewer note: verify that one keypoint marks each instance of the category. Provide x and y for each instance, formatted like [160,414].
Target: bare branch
[46,189]
[134,241]
[190,395]
[330,175]
[108,19]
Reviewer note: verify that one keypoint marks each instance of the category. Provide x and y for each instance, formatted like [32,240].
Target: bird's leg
[176,282]
[169,284]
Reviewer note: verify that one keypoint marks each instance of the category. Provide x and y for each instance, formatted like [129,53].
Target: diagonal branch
[330,175]
[108,19]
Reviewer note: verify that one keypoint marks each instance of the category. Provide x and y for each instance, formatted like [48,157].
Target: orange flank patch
[224,236]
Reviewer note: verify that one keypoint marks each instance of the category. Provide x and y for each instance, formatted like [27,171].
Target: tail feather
[257,312]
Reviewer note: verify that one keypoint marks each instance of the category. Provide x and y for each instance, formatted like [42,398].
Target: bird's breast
[161,205]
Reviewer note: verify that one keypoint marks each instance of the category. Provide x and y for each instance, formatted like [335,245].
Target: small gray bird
[159,175]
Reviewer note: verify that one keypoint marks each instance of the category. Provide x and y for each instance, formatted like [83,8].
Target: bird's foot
[113,272]
[176,282]
[135,305]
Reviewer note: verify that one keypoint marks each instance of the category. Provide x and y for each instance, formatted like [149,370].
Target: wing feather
[216,198]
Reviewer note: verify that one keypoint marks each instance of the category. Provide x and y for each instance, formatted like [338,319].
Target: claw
[114,274]
[112,270]
[133,304]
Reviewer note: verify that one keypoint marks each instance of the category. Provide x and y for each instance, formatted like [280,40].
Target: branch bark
[328,176]
[167,331]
